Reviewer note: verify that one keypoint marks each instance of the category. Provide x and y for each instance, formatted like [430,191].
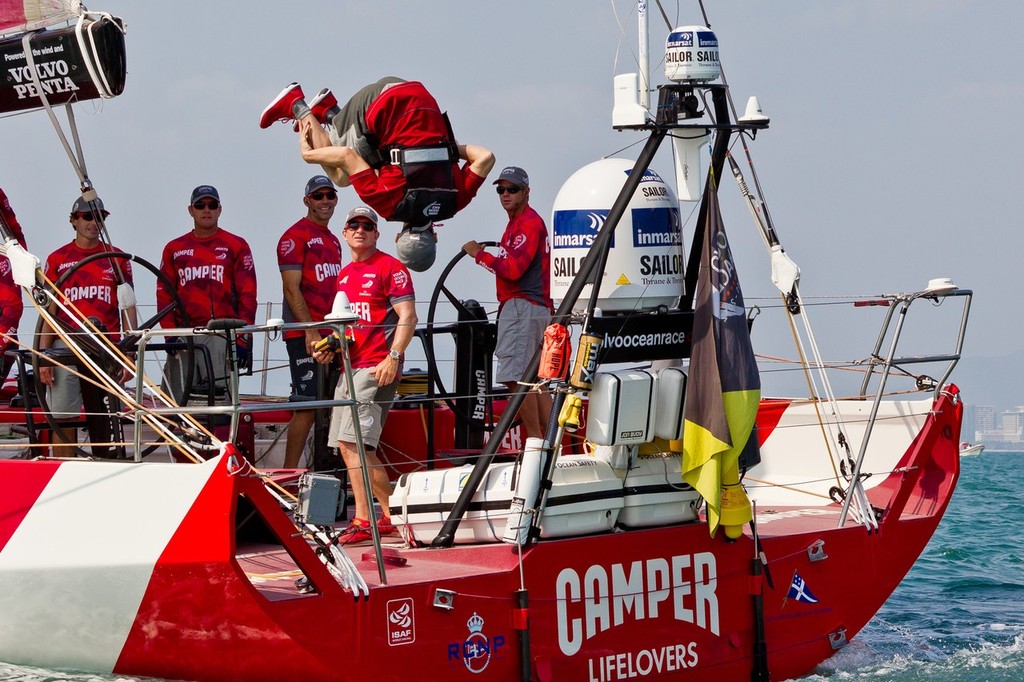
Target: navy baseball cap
[318,181]
[204,191]
[515,175]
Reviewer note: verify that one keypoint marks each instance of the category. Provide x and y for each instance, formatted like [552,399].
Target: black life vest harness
[429,177]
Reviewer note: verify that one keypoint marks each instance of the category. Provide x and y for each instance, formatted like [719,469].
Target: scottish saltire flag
[798,590]
[724,389]
[27,15]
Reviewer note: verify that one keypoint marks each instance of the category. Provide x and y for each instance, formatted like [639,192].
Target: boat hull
[147,570]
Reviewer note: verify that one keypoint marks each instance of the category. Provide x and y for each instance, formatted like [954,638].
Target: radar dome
[645,263]
[691,54]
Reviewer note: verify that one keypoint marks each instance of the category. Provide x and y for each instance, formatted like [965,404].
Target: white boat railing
[900,303]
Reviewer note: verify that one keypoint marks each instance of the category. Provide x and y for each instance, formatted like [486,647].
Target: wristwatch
[394,354]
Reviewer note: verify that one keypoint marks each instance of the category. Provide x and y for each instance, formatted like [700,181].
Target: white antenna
[643,55]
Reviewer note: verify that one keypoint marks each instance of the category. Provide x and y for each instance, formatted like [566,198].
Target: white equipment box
[654,493]
[622,407]
[671,399]
[585,498]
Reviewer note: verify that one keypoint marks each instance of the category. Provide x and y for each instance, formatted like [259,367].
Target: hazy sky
[891,157]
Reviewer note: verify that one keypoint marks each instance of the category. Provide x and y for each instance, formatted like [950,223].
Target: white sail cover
[17,16]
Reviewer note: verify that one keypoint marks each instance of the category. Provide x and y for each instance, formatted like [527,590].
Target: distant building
[1006,431]
[978,421]
[984,418]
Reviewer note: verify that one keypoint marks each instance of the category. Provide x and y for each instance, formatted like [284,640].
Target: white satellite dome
[691,54]
[645,263]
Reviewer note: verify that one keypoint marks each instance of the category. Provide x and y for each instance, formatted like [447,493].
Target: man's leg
[64,398]
[373,402]
[304,387]
[338,162]
[380,484]
[534,412]
[520,334]
[298,431]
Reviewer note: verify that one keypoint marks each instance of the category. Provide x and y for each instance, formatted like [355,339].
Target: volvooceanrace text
[644,340]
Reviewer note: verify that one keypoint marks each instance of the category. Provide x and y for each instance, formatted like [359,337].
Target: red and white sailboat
[819,507]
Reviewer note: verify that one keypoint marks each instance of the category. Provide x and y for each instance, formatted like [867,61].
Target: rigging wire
[759,209]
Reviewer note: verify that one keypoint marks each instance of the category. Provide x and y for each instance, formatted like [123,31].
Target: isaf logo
[401,622]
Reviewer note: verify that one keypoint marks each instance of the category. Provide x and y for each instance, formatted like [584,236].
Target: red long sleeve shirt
[523,263]
[215,278]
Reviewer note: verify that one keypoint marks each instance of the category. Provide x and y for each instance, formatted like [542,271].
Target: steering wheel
[441,287]
[127,344]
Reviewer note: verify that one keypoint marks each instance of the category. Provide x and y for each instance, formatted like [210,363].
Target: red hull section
[666,602]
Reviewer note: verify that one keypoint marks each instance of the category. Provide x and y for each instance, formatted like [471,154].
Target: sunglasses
[212,205]
[359,225]
[320,196]
[87,217]
[513,189]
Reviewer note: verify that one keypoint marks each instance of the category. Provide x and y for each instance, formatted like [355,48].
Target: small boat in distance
[969,449]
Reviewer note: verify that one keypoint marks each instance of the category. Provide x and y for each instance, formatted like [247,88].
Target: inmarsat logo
[577,228]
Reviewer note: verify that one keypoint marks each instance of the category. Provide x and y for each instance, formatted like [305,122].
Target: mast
[678,105]
[587,273]
[643,54]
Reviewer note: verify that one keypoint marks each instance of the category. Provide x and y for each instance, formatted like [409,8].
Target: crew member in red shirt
[379,289]
[394,146]
[522,271]
[92,289]
[215,277]
[11,305]
[309,257]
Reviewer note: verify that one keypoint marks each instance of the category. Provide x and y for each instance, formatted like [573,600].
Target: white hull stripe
[58,605]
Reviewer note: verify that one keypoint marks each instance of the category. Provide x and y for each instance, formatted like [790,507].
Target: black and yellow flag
[723,389]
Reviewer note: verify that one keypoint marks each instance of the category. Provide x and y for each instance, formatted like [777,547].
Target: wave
[919,660]
[18,673]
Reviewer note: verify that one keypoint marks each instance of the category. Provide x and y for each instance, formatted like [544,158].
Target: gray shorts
[521,327]
[348,128]
[65,395]
[373,403]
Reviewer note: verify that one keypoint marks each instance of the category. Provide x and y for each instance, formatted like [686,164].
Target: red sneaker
[385,527]
[321,103]
[358,531]
[280,108]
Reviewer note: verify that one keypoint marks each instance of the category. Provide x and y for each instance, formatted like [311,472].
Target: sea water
[957,617]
